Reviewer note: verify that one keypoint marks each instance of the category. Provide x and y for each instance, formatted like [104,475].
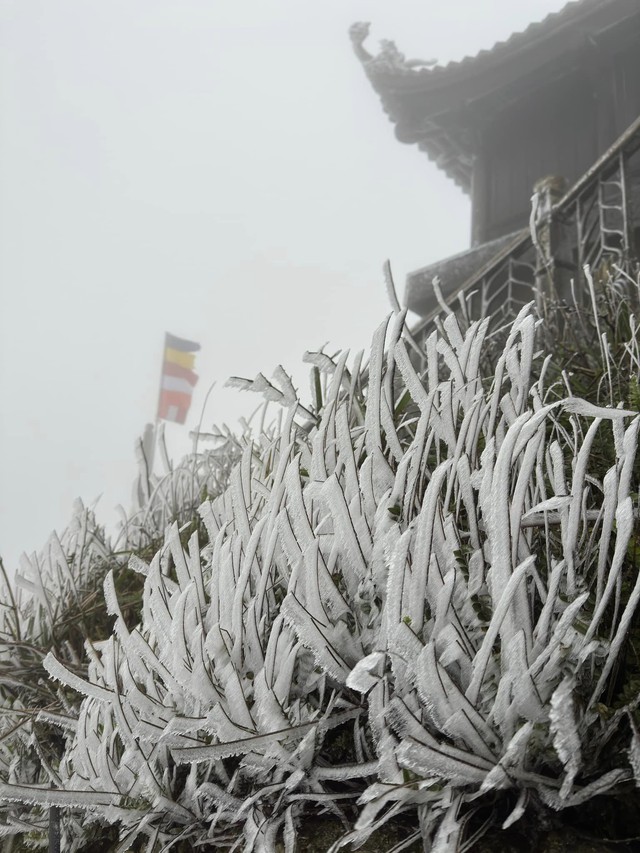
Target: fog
[219,170]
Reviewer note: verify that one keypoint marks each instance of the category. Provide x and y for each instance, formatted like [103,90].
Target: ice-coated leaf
[424,575]
[216,794]
[60,672]
[578,406]
[413,382]
[566,738]
[450,829]
[326,643]
[624,527]
[366,672]
[373,425]
[290,834]
[35,795]
[212,752]
[527,700]
[594,789]
[634,751]
[503,606]
[513,756]
[442,762]
[518,810]
[267,709]
[57,720]
[353,548]
[342,772]
[622,631]
[397,549]
[556,502]
[449,708]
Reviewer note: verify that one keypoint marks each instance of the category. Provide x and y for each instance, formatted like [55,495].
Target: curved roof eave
[420,96]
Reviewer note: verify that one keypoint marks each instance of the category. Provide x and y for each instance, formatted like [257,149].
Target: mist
[222,171]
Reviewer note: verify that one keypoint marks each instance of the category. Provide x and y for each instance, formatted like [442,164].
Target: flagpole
[152,447]
[152,454]
[202,410]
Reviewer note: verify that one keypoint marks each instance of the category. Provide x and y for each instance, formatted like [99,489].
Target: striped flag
[178,379]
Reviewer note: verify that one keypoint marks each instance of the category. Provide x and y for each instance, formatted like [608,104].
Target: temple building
[542,131]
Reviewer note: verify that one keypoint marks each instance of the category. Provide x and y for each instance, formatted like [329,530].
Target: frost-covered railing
[595,223]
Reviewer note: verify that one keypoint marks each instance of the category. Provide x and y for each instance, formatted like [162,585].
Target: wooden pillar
[479,198]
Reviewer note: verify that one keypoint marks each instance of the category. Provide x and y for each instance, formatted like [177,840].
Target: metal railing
[595,223]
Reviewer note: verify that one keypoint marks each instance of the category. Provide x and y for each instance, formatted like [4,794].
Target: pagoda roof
[441,107]
[452,273]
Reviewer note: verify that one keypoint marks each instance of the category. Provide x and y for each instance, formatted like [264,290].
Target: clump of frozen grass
[176,493]
[413,600]
[56,604]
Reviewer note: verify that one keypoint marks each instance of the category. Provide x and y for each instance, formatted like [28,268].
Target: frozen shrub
[413,599]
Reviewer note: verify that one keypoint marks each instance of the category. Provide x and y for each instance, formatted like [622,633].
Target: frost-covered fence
[413,597]
[595,224]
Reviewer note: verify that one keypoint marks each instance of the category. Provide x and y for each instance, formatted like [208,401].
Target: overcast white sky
[220,169]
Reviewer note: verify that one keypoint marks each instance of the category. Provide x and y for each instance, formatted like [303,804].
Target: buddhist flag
[178,379]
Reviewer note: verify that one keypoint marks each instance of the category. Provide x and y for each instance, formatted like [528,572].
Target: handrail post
[550,243]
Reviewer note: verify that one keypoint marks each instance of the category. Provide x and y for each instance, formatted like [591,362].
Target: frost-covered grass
[412,604]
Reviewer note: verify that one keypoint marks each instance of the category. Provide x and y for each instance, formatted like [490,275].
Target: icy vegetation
[410,602]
